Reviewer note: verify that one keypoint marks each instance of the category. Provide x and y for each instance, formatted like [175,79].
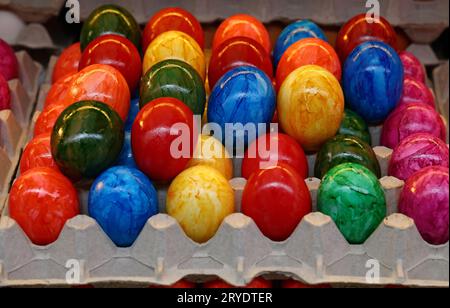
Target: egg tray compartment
[315,253]
[14,122]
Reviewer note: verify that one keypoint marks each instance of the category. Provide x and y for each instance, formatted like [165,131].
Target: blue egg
[126,157]
[293,33]
[122,200]
[134,110]
[243,97]
[373,81]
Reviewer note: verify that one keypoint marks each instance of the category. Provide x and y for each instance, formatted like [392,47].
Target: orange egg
[311,51]
[242,26]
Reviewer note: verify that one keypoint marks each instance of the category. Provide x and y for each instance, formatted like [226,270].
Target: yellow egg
[311,106]
[199,199]
[175,45]
[211,152]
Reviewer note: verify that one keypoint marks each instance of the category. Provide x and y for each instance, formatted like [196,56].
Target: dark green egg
[353,197]
[177,79]
[109,19]
[354,125]
[345,149]
[87,139]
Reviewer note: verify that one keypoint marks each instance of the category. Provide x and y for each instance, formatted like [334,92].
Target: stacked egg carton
[14,123]
[315,253]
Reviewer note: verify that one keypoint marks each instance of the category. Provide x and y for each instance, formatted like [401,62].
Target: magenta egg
[425,199]
[415,91]
[9,66]
[5,97]
[413,68]
[409,119]
[417,152]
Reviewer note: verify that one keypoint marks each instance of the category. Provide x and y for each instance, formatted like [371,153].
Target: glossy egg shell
[5,94]
[108,19]
[152,140]
[122,200]
[9,67]
[277,199]
[38,153]
[353,197]
[211,152]
[118,52]
[236,52]
[87,139]
[354,125]
[169,19]
[412,66]
[425,198]
[41,201]
[310,106]
[175,45]
[409,119]
[310,51]
[177,79]
[345,149]
[200,198]
[416,92]
[417,152]
[243,26]
[293,33]
[358,30]
[272,149]
[373,81]
[244,95]
[67,63]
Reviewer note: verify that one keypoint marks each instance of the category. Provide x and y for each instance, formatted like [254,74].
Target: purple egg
[412,66]
[5,97]
[425,199]
[417,152]
[416,92]
[9,66]
[409,119]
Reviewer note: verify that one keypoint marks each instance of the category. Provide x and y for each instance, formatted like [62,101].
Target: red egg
[118,52]
[67,63]
[38,153]
[293,284]
[413,68]
[425,199]
[101,83]
[306,52]
[270,150]
[257,283]
[58,91]
[154,138]
[41,201]
[47,119]
[359,30]
[9,67]
[409,119]
[277,199]
[5,95]
[415,91]
[169,19]
[236,52]
[242,26]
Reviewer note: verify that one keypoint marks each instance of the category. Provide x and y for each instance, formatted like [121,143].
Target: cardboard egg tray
[14,123]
